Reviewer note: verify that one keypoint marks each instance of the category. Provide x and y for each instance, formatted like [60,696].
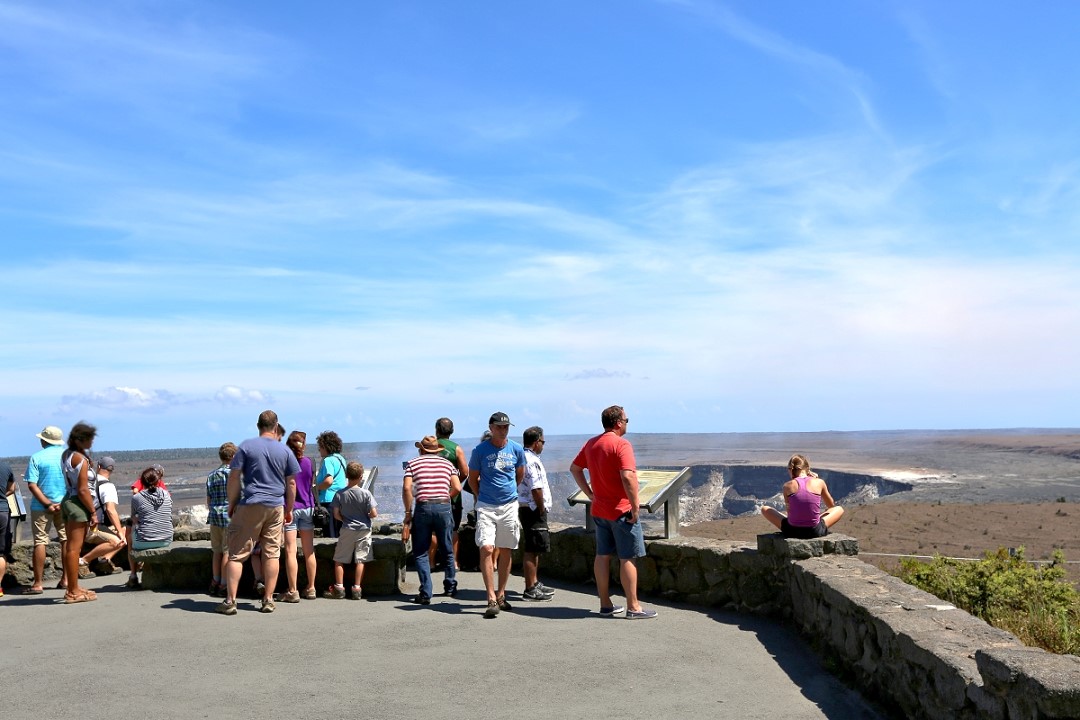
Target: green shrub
[1034,603]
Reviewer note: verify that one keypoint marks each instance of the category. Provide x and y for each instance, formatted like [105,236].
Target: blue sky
[746,216]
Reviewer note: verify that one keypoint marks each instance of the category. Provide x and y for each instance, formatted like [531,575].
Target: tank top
[804,507]
[72,472]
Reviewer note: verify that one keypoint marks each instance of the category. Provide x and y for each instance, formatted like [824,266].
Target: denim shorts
[619,536]
[301,520]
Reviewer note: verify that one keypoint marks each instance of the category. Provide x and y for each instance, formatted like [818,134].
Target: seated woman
[803,495]
[151,519]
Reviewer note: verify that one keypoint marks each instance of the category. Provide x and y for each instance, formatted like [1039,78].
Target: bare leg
[487,570]
[39,566]
[339,574]
[504,570]
[358,574]
[832,515]
[231,577]
[307,544]
[270,575]
[602,573]
[529,562]
[628,578]
[773,516]
[217,565]
[291,566]
[76,532]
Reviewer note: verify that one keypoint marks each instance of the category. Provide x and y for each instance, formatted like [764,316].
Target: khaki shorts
[354,546]
[252,524]
[41,520]
[497,525]
[98,535]
[217,538]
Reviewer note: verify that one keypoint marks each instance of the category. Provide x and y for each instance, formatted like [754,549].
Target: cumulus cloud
[233,395]
[125,398]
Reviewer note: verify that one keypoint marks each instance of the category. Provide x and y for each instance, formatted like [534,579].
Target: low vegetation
[1035,603]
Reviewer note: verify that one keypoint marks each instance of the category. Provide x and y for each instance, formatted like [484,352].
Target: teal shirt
[46,472]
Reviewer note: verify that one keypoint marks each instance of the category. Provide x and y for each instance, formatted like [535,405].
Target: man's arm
[462,463]
[474,482]
[630,485]
[538,498]
[582,483]
[406,497]
[290,497]
[455,485]
[232,488]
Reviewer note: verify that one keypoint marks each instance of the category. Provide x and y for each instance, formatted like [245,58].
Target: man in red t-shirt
[609,458]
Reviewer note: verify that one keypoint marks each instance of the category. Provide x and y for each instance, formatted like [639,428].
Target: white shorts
[497,525]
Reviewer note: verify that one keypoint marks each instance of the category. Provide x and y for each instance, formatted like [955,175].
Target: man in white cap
[45,478]
[496,468]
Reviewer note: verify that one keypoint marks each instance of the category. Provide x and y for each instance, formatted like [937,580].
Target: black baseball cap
[499,418]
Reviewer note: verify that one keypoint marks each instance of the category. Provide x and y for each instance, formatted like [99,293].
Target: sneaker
[133,583]
[214,589]
[226,608]
[503,605]
[106,567]
[611,611]
[260,588]
[641,614]
[545,589]
[309,594]
[492,609]
[85,571]
[450,591]
[267,606]
[421,600]
[356,593]
[291,597]
[335,592]
[535,594]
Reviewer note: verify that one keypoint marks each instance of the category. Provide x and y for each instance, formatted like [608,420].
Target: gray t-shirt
[356,505]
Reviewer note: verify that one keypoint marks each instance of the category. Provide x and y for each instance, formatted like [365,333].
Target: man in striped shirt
[431,481]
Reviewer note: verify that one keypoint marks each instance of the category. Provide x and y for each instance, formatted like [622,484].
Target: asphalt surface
[143,654]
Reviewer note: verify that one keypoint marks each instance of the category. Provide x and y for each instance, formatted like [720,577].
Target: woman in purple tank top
[803,495]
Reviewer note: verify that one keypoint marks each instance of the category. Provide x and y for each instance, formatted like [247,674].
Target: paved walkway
[167,655]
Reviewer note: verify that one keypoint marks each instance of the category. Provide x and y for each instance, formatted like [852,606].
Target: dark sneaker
[492,609]
[535,594]
[133,583]
[641,614]
[356,593]
[450,591]
[267,606]
[421,600]
[226,608]
[335,592]
[544,589]
[503,605]
[611,611]
[260,588]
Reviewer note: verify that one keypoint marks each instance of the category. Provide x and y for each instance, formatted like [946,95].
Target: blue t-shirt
[265,464]
[45,470]
[355,504]
[498,471]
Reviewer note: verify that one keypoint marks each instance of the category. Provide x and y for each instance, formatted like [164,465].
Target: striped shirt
[153,510]
[431,476]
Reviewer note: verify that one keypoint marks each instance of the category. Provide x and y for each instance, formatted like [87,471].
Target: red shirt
[605,457]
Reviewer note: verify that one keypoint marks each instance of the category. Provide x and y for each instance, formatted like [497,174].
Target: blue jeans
[428,519]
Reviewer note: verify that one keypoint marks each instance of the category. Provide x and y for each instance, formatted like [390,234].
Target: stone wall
[915,654]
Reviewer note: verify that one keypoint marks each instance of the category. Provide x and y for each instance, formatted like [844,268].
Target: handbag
[320,516]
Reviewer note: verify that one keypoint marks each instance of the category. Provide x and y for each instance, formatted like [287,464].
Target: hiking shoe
[535,594]
[106,567]
[267,606]
[503,605]
[85,571]
[309,594]
[260,588]
[226,608]
[356,593]
[290,597]
[421,600]
[641,614]
[545,589]
[133,583]
[492,609]
[450,591]
[611,611]
[335,592]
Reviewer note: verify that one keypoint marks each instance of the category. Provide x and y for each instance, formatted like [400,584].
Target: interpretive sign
[656,487]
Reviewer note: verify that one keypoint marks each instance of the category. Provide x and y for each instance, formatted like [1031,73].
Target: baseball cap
[499,418]
[106,463]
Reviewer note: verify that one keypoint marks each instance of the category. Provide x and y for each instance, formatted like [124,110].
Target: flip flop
[81,597]
[32,591]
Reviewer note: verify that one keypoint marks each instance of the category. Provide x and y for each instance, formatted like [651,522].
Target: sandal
[32,591]
[80,597]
